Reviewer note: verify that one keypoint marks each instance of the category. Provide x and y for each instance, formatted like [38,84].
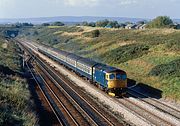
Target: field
[150,56]
[15,103]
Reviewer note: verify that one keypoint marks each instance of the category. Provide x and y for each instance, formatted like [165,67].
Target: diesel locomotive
[110,79]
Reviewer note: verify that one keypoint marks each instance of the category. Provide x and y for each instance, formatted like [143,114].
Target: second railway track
[174,112]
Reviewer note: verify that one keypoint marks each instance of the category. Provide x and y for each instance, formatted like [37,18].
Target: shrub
[35,33]
[95,33]
[80,30]
[169,69]
[125,53]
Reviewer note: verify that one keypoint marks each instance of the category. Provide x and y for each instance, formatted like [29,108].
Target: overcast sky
[111,8]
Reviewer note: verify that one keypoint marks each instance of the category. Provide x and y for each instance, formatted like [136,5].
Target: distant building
[108,26]
[143,26]
[130,26]
[138,26]
[177,26]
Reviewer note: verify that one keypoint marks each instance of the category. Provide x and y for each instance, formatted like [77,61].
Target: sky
[105,8]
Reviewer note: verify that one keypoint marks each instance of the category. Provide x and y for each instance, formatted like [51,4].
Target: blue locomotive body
[99,75]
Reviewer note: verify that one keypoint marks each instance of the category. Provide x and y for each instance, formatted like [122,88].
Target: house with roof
[138,26]
[143,26]
[108,26]
[130,26]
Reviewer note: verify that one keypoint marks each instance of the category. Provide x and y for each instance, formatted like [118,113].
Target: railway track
[87,113]
[140,111]
[69,105]
[46,101]
[174,112]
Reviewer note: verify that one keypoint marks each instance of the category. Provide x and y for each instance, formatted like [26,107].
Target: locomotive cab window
[124,77]
[118,76]
[111,76]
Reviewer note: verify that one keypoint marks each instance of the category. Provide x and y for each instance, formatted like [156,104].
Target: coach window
[111,76]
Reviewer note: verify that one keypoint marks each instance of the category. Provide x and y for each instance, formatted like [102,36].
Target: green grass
[15,103]
[138,52]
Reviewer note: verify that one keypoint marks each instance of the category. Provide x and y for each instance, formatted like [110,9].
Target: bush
[125,53]
[80,30]
[169,69]
[95,33]
[35,33]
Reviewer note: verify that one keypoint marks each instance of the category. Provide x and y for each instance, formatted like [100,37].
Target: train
[110,79]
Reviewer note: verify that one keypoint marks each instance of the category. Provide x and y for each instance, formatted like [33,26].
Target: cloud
[4,3]
[127,2]
[77,3]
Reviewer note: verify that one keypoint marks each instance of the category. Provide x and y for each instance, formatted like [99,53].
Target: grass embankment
[15,103]
[149,56]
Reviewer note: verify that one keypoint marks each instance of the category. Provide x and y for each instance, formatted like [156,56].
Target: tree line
[158,22]
[57,23]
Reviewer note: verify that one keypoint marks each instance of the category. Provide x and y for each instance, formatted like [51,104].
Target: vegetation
[92,34]
[161,22]
[15,103]
[95,33]
[169,69]
[92,24]
[21,25]
[57,24]
[143,54]
[125,53]
[102,23]
[45,24]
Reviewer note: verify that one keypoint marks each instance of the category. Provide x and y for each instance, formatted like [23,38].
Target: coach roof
[87,62]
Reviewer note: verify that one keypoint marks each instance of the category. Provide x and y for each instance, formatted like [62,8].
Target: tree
[27,24]
[85,23]
[141,22]
[160,22]
[113,24]
[102,23]
[45,24]
[92,24]
[58,23]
